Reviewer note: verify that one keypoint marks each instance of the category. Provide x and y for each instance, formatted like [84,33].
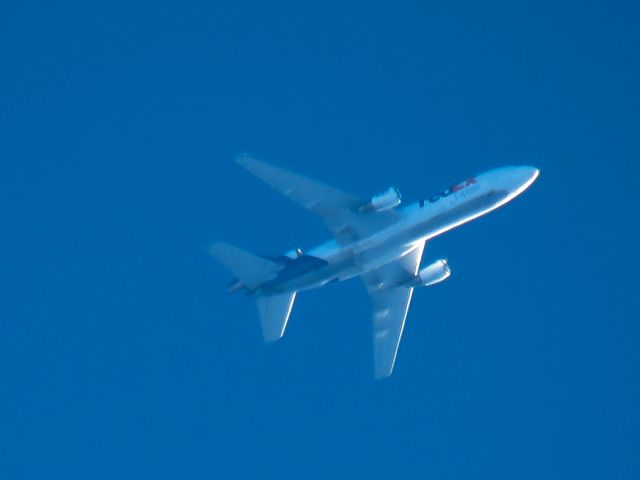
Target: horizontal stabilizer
[274,313]
[250,269]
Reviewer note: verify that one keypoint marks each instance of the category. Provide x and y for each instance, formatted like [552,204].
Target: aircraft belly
[397,241]
[345,262]
[435,222]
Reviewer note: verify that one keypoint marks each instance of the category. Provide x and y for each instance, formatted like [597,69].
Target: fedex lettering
[452,189]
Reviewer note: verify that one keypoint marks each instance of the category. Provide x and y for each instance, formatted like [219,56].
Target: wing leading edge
[391,301]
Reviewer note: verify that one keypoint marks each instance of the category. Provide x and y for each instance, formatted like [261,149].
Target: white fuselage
[422,221]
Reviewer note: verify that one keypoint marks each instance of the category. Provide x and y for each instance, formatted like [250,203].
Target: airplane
[375,239]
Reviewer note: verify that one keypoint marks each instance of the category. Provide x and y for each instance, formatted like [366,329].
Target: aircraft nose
[515,178]
[529,174]
[522,177]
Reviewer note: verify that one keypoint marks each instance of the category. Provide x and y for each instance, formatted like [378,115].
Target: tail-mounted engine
[384,201]
[437,272]
[293,254]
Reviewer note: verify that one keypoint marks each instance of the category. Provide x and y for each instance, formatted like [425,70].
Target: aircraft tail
[250,269]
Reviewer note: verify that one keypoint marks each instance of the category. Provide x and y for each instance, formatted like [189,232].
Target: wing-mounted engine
[437,272]
[384,201]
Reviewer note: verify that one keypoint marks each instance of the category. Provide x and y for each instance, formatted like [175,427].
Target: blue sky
[122,356]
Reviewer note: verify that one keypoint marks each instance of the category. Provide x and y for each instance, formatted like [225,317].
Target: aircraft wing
[337,209]
[391,301]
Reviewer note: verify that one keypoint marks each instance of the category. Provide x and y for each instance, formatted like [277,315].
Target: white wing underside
[337,209]
[391,301]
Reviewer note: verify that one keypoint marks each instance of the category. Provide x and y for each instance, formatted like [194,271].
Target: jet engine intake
[384,201]
[437,272]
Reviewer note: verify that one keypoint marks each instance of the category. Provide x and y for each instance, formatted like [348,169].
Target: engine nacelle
[384,201]
[293,254]
[437,272]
